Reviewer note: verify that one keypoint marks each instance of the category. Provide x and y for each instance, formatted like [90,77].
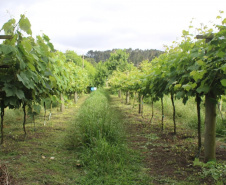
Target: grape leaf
[9,26]
[31,66]
[25,24]
[223,82]
[204,89]
[6,49]
[26,45]
[197,74]
[221,54]
[200,62]
[20,94]
[9,90]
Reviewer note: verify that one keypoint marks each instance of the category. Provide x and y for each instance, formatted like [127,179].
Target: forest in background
[135,56]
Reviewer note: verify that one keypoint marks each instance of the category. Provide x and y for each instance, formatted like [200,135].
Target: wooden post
[210,117]
[152,110]
[174,113]
[76,97]
[140,103]
[62,102]
[127,92]
[198,102]
[25,118]
[2,116]
[44,113]
[210,127]
[6,36]
[127,97]
[162,113]
[134,99]
[119,93]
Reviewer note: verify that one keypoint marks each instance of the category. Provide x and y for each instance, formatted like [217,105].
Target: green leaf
[6,49]
[197,74]
[177,86]
[218,17]
[26,79]
[12,102]
[9,26]
[26,43]
[205,89]
[48,86]
[46,38]
[31,66]
[20,94]
[9,90]
[37,49]
[223,67]
[200,62]
[189,86]
[180,94]
[22,65]
[25,24]
[51,46]
[35,57]
[221,54]
[184,32]
[42,66]
[196,162]
[48,73]
[36,109]
[224,21]
[223,82]
[20,78]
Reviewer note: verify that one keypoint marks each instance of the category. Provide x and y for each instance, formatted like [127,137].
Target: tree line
[135,56]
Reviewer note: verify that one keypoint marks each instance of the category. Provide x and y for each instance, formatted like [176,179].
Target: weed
[187,114]
[216,170]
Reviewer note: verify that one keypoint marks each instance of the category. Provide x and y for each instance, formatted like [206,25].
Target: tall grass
[186,114]
[96,121]
[98,137]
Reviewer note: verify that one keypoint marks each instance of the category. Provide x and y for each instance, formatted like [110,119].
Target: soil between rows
[168,158]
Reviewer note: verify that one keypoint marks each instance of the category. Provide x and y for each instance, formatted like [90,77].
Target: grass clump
[187,114]
[99,140]
[95,121]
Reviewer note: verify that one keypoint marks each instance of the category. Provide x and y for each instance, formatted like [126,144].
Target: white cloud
[105,24]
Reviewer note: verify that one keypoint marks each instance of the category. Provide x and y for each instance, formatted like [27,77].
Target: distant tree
[117,61]
[135,56]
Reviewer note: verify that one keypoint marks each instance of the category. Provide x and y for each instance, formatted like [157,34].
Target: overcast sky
[83,25]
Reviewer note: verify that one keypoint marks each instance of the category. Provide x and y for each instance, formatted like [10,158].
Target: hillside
[136,56]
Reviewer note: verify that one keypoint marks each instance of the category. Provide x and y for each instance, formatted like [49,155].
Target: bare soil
[168,158]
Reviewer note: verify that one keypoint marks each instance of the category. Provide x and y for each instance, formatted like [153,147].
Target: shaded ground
[40,157]
[168,158]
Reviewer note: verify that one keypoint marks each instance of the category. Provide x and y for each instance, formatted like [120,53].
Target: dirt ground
[168,158]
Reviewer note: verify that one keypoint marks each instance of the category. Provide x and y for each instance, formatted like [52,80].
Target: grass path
[41,158]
